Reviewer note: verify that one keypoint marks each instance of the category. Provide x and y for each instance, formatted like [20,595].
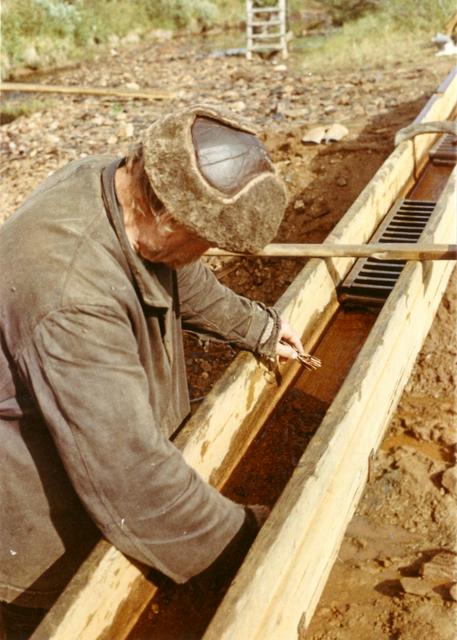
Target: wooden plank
[442,102]
[381,251]
[447,81]
[97,602]
[110,577]
[391,181]
[24,87]
[287,567]
[209,442]
[214,437]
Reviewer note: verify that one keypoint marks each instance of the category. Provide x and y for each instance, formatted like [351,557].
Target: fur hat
[215,177]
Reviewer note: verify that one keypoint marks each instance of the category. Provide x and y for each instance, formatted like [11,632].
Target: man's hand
[289,344]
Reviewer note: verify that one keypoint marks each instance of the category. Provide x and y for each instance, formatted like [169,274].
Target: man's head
[213,176]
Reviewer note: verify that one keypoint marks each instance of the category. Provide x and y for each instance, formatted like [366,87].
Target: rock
[238,106]
[315,135]
[295,113]
[5,65]
[453,592]
[132,86]
[52,139]
[131,38]
[416,586]
[341,182]
[383,560]
[449,480]
[160,35]
[31,57]
[112,140]
[336,132]
[125,130]
[345,99]
[441,568]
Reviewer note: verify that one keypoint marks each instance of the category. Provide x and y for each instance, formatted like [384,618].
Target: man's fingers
[284,350]
[289,342]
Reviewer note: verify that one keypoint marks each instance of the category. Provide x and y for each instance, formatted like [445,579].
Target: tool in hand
[305,359]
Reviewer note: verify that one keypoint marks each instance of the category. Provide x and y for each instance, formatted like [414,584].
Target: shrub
[72,25]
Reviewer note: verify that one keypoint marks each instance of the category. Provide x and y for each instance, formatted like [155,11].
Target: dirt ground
[395,573]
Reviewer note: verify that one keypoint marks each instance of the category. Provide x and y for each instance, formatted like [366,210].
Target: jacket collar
[154,282]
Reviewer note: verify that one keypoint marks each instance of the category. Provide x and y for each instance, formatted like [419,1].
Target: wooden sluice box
[276,590]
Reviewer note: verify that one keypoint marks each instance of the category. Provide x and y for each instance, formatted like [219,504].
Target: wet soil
[392,578]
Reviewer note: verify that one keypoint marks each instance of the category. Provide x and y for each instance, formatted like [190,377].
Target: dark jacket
[92,384]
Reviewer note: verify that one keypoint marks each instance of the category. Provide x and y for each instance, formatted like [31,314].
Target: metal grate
[444,151]
[371,280]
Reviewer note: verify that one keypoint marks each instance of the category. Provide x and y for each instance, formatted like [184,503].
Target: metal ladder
[266,27]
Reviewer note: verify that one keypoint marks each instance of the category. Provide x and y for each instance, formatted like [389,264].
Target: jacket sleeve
[83,370]
[210,308]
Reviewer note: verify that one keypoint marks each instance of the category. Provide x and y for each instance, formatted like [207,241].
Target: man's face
[170,243]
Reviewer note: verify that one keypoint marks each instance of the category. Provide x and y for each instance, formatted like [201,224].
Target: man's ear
[166,223]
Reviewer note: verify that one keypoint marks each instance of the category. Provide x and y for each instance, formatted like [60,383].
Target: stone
[113,40]
[345,99]
[336,132]
[238,106]
[131,38]
[449,480]
[441,568]
[125,130]
[160,35]
[5,65]
[416,586]
[52,139]
[295,113]
[31,57]
[315,135]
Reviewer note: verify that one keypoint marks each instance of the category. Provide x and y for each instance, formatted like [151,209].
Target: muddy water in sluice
[184,612]
[432,181]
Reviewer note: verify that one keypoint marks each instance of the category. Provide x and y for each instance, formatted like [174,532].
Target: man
[99,276]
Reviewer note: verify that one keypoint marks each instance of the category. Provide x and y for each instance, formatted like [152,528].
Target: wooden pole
[24,87]
[384,251]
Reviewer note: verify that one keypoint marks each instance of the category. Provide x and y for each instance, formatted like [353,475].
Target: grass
[46,33]
[400,29]
[42,33]
[12,109]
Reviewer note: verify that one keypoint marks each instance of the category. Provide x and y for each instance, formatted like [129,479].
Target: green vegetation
[384,31]
[342,11]
[12,109]
[37,33]
[43,33]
